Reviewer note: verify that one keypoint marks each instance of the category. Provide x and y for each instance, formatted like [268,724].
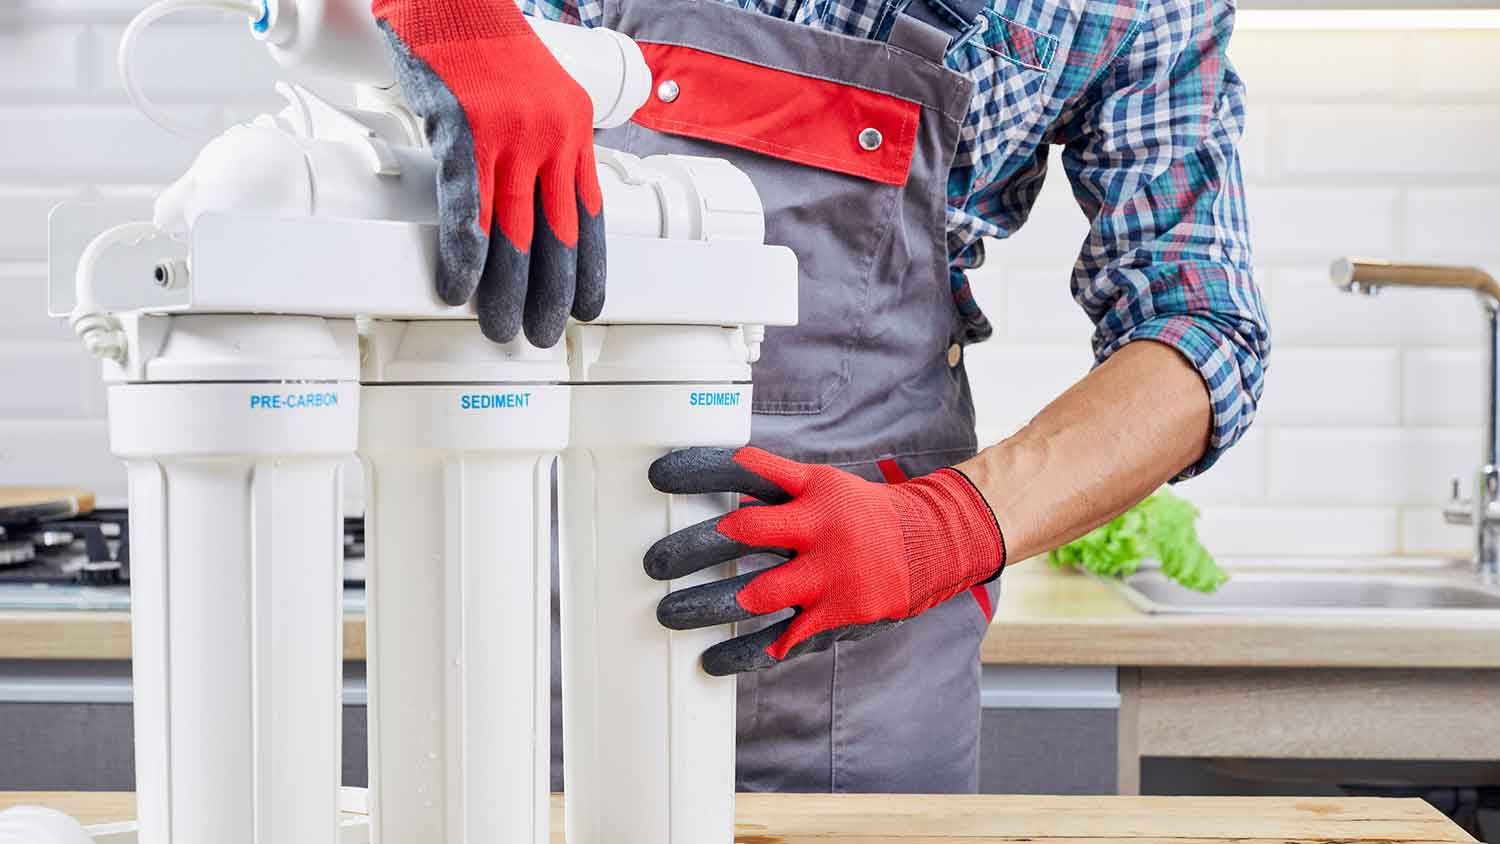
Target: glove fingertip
[502,290]
[682,471]
[552,282]
[740,655]
[544,328]
[588,303]
[707,605]
[455,282]
[660,558]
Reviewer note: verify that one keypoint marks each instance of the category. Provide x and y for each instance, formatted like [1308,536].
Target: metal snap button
[667,91]
[955,354]
[870,139]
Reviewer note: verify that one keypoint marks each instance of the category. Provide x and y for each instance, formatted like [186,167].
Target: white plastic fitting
[100,330]
[338,39]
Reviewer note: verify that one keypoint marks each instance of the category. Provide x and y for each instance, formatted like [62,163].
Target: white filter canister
[648,737]
[233,461]
[458,436]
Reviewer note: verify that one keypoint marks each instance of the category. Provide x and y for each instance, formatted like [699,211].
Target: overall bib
[849,142]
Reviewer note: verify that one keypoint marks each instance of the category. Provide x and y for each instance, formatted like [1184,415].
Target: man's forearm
[1129,426]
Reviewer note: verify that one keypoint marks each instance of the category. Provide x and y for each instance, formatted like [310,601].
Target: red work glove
[862,556]
[521,215]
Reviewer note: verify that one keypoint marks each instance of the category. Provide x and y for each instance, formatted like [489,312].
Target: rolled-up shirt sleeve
[1150,151]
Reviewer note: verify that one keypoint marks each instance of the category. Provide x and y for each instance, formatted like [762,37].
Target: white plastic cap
[38,825]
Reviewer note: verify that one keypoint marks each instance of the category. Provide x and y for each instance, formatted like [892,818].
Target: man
[886,138]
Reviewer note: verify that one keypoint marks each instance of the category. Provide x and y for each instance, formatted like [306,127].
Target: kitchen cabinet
[1410,687]
[68,725]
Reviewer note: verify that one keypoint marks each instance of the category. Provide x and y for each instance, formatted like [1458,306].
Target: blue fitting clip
[264,23]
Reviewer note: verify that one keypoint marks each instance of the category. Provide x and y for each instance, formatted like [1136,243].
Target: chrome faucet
[1481,510]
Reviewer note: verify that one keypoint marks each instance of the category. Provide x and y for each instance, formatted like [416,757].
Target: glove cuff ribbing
[423,22]
[952,539]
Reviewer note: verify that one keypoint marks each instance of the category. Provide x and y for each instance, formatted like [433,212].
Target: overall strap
[930,28]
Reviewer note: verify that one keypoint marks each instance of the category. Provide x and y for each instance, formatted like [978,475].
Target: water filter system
[277,315]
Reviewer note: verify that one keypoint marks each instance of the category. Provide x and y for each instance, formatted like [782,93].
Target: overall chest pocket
[829,162]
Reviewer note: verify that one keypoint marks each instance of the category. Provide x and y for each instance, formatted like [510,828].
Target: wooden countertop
[1049,617]
[987,819]
[1045,617]
[101,635]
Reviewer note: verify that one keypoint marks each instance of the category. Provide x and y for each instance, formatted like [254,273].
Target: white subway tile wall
[1376,144]
[1371,143]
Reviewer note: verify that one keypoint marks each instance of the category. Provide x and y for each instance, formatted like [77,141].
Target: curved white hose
[125,58]
[98,329]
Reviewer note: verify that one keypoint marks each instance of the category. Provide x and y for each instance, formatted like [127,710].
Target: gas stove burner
[46,537]
[354,551]
[100,573]
[92,549]
[15,552]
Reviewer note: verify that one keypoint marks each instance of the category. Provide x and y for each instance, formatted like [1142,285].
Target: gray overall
[866,377]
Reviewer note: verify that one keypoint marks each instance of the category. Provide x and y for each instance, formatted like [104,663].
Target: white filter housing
[233,441]
[458,437]
[648,736]
[238,388]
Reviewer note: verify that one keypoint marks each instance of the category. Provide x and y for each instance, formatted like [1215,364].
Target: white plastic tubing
[339,40]
[125,58]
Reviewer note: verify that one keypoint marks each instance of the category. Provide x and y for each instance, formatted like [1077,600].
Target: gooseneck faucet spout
[1481,511]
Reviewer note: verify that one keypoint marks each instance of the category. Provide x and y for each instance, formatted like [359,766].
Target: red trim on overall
[781,114]
[891,471]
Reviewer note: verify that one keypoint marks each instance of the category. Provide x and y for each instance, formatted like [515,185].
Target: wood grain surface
[27,502]
[84,634]
[906,819]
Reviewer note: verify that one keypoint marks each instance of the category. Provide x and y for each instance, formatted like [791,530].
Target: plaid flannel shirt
[1148,111]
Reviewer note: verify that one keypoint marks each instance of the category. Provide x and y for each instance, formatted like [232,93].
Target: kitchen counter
[101,635]
[1050,617]
[1045,617]
[884,819]
[1400,686]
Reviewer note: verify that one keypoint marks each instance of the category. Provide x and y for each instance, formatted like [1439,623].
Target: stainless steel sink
[1301,593]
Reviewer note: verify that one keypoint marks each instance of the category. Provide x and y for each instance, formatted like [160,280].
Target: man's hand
[521,214]
[861,556]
